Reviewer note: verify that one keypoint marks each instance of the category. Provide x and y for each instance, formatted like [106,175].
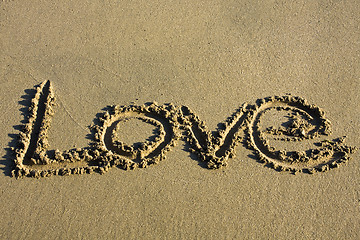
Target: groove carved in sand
[32,159]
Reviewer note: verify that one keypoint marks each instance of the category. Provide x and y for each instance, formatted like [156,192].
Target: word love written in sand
[172,123]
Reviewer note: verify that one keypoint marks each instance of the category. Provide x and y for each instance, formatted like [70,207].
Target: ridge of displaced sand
[173,123]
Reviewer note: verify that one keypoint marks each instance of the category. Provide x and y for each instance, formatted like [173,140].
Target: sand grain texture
[206,59]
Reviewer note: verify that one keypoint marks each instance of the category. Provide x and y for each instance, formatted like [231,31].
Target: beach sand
[211,57]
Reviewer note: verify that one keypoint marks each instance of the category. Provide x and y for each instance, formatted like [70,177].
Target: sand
[113,120]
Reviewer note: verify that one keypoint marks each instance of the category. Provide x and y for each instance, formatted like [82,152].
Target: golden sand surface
[197,119]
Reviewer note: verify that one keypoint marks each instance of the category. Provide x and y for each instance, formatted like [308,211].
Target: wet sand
[247,105]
